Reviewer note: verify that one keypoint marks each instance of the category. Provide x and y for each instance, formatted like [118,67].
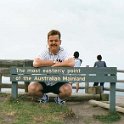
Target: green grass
[25,111]
[109,118]
[21,111]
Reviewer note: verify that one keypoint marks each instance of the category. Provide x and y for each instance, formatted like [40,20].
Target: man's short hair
[54,32]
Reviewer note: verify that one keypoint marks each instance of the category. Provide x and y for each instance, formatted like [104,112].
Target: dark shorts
[54,88]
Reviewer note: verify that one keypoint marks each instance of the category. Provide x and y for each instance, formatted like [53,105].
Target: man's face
[54,43]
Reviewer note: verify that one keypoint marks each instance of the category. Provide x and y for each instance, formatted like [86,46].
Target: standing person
[54,56]
[99,64]
[78,63]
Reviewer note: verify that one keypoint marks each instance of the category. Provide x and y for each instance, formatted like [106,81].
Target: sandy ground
[84,112]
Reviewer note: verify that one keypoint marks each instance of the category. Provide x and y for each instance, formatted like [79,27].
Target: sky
[91,27]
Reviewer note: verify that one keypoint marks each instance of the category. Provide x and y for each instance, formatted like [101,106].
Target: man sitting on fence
[54,56]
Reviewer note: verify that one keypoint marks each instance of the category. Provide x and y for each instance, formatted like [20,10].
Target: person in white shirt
[78,63]
[54,56]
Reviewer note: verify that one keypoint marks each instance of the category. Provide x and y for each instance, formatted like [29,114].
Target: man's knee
[35,88]
[66,90]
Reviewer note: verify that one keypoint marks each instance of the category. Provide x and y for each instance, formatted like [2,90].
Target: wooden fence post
[0,81]
[27,63]
[112,98]
[14,89]
[86,83]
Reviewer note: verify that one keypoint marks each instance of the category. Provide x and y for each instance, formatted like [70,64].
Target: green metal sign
[64,74]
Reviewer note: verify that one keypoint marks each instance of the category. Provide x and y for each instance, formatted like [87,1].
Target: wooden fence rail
[6,64]
[5,71]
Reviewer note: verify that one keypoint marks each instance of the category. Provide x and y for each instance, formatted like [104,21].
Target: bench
[65,74]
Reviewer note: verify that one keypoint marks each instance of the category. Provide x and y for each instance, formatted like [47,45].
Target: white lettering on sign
[52,78]
[27,78]
[18,78]
[54,71]
[73,71]
[74,78]
[33,70]
[19,70]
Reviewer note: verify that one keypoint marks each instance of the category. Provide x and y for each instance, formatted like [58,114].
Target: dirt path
[84,113]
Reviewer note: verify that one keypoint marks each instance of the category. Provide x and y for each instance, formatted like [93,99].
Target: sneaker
[58,101]
[44,99]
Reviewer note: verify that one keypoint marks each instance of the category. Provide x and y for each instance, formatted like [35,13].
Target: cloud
[90,27]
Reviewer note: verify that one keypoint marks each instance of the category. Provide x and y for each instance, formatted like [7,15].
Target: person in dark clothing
[99,63]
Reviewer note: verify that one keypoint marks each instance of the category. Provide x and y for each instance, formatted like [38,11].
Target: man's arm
[105,64]
[94,64]
[66,63]
[38,62]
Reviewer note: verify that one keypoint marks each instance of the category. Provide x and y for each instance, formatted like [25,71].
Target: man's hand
[67,63]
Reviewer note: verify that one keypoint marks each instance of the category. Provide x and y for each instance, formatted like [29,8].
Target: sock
[44,96]
[59,99]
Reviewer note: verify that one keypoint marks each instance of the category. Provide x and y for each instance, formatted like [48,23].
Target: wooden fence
[6,64]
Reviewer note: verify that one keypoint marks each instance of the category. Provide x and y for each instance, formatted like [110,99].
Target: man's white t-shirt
[60,56]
